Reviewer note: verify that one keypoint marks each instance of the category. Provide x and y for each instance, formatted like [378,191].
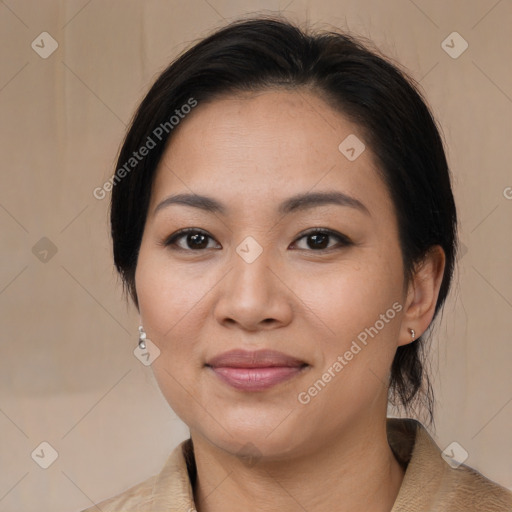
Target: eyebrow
[298,202]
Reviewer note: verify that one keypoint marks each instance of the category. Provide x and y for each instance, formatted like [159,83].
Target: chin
[256,438]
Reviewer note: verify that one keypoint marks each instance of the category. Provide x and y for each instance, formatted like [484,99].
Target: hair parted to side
[262,53]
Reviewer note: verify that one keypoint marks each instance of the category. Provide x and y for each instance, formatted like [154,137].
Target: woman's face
[256,275]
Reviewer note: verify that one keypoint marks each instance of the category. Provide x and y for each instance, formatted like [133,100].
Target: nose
[253,296]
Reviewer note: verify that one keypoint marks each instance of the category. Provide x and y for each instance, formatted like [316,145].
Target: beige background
[68,375]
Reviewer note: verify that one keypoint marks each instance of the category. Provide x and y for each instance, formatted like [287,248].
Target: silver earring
[413,334]
[142,338]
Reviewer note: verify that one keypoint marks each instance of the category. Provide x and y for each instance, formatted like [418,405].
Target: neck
[357,471]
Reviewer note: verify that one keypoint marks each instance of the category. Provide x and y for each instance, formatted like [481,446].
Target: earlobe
[422,295]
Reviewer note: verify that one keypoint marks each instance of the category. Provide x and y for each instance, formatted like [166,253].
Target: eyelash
[343,241]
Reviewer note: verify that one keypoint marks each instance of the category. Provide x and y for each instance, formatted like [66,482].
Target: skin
[251,152]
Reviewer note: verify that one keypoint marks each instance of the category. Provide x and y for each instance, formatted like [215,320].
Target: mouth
[257,370]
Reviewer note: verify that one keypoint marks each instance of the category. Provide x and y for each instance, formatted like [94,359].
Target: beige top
[430,483]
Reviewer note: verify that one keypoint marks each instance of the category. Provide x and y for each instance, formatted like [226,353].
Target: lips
[256,370]
[254,359]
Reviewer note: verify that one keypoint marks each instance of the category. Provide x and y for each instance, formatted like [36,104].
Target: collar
[426,473]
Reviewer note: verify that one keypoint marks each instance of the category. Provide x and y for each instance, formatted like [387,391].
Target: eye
[318,240]
[193,238]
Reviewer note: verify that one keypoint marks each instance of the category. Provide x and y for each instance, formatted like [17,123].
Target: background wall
[68,375]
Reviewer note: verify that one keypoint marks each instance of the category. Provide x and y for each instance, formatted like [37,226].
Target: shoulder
[470,490]
[137,498]
[435,482]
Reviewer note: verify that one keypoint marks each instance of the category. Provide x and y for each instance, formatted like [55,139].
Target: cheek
[169,308]
[352,297]
[358,307]
[360,310]
[165,296]
[175,304]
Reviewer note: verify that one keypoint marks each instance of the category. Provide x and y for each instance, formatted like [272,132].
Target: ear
[422,293]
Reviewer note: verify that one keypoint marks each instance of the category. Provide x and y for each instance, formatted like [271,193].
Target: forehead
[265,145]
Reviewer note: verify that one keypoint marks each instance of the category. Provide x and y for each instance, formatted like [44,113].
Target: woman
[282,217]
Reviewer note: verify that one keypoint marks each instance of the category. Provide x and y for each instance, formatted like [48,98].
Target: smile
[255,371]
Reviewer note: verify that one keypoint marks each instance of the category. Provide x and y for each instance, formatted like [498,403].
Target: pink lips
[255,371]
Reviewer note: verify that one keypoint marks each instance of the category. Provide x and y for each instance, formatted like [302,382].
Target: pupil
[321,238]
[197,242]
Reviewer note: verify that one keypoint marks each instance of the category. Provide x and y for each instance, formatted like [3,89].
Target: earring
[413,334]
[142,338]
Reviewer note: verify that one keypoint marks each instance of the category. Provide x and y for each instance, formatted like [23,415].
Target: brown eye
[318,240]
[189,239]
